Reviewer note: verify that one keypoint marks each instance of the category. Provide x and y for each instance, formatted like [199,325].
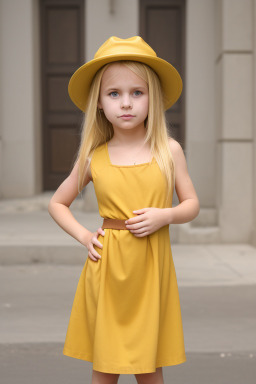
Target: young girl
[126,316]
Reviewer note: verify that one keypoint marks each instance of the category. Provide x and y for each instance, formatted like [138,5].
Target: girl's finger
[94,252]
[141,234]
[134,220]
[96,242]
[139,211]
[136,225]
[92,257]
[101,231]
[139,230]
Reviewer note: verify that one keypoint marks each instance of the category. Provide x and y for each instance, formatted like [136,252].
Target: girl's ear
[99,104]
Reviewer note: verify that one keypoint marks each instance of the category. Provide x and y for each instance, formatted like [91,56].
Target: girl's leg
[104,378]
[151,378]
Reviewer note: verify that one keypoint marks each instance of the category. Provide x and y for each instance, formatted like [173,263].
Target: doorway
[62,42]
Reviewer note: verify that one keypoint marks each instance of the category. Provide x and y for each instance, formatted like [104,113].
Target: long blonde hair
[97,129]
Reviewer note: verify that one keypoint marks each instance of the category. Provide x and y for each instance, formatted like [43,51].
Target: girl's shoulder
[174,145]
[177,152]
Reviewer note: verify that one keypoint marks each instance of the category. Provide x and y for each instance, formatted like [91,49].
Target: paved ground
[219,328]
[43,363]
[38,278]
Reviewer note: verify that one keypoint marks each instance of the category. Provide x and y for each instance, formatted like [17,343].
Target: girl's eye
[137,93]
[113,94]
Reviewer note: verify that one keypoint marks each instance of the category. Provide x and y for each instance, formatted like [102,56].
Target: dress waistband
[114,224]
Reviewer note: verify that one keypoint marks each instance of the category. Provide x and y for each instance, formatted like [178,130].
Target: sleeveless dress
[126,315]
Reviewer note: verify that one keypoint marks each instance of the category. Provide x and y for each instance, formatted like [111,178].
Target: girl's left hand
[148,221]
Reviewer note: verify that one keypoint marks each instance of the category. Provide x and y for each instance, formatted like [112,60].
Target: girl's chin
[128,128]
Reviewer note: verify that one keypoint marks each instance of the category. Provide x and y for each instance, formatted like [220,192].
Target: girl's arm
[151,219]
[189,206]
[59,206]
[59,210]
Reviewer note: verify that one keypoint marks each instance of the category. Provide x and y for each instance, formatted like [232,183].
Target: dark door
[62,42]
[162,25]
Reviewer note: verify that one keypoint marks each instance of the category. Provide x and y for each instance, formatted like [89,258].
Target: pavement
[39,270]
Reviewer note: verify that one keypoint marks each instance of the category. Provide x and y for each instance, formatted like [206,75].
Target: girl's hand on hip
[148,221]
[93,240]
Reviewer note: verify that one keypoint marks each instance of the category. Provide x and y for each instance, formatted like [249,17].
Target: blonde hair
[97,129]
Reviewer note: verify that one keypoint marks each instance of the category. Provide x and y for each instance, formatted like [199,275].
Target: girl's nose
[126,102]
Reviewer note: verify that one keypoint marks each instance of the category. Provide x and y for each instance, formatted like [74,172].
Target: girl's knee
[151,378]
[104,378]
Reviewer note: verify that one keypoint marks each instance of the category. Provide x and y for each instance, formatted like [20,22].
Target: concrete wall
[200,99]
[234,62]
[1,102]
[20,171]
[254,128]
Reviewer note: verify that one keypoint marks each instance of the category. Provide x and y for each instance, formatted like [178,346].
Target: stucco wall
[18,94]
[234,62]
[1,100]
[200,91]
[254,128]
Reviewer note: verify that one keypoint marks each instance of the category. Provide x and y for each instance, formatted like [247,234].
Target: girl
[126,314]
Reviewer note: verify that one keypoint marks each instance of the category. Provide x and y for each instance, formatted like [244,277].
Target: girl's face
[123,97]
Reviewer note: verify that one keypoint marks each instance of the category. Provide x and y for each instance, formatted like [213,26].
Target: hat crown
[116,46]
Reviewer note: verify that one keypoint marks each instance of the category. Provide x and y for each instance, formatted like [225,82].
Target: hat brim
[80,82]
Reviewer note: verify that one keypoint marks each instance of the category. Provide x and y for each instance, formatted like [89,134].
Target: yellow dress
[126,315]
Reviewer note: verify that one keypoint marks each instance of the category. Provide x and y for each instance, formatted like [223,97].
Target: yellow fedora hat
[115,49]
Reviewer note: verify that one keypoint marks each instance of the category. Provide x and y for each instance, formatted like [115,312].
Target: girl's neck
[129,137]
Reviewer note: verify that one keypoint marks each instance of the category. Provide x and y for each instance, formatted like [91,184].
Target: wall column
[254,129]
[234,69]
[20,121]
[199,87]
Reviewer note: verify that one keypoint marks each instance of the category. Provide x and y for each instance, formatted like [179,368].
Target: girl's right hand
[93,240]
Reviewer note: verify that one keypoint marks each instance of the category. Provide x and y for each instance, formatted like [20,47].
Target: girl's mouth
[126,117]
